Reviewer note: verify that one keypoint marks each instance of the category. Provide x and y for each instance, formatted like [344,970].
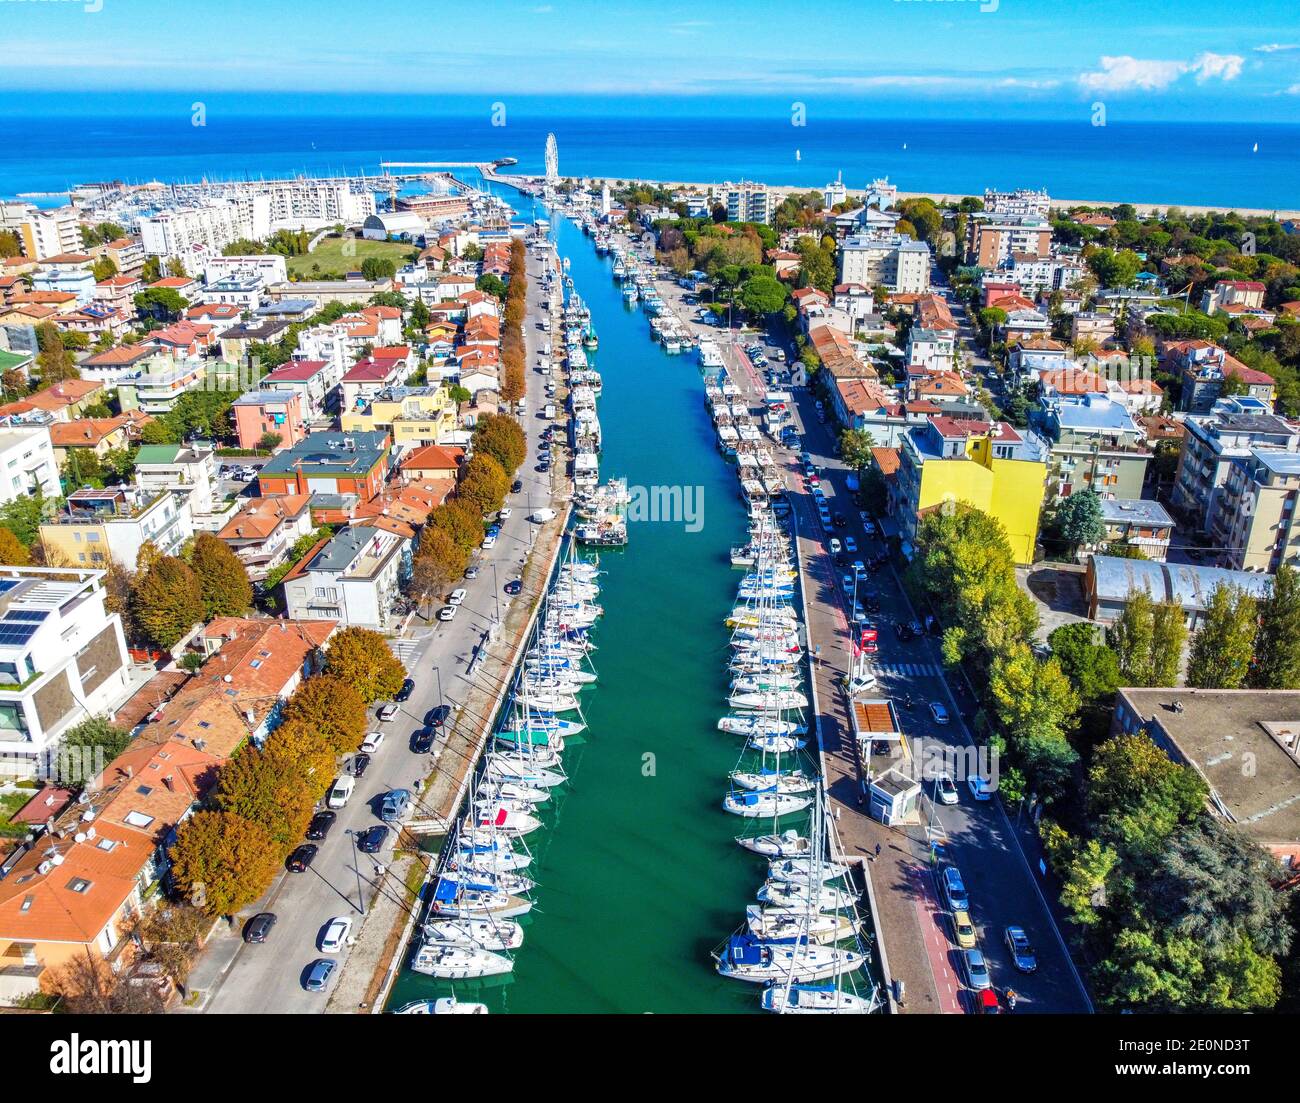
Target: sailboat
[486,934]
[786,844]
[439,959]
[816,999]
[753,959]
[823,927]
[763,804]
[457,899]
[751,725]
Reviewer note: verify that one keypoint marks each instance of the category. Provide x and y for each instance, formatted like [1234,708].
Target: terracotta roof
[262,516]
[87,432]
[886,459]
[122,356]
[173,282]
[433,457]
[59,396]
[1072,381]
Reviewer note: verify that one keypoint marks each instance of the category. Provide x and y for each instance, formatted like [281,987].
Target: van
[550,410]
[341,792]
[395,805]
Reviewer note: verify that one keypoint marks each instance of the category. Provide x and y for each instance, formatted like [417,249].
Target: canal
[639,874]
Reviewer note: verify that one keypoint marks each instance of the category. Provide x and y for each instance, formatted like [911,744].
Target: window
[137,819]
[144,790]
[79,884]
[106,844]
[27,903]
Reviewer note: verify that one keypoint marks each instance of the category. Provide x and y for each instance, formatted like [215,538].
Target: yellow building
[990,467]
[412,416]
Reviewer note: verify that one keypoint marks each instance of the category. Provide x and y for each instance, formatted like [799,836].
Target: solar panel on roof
[26,615]
[13,634]
[7,584]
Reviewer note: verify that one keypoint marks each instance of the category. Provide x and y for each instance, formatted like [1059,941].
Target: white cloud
[1275,47]
[1294,90]
[1207,66]
[1128,74]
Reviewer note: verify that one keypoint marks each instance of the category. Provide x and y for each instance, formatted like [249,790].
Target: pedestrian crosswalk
[909,670]
[405,649]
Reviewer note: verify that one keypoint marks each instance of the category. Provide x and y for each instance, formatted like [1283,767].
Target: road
[236,978]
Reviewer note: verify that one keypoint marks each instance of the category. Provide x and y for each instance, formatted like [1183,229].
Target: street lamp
[437,671]
[356,865]
[496,592]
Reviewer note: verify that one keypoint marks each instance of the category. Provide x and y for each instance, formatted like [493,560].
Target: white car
[835,545]
[939,713]
[372,742]
[457,596]
[447,612]
[389,711]
[489,541]
[869,527]
[335,935]
[945,790]
[981,788]
[503,513]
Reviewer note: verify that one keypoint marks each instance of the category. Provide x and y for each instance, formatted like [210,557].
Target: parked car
[360,763]
[516,486]
[335,935]
[939,713]
[389,711]
[976,969]
[259,927]
[372,742]
[320,825]
[504,513]
[834,545]
[372,839]
[404,694]
[954,889]
[981,788]
[850,545]
[489,541]
[395,805]
[437,716]
[457,596]
[963,930]
[902,631]
[302,857]
[514,586]
[448,612]
[840,520]
[945,790]
[341,791]
[422,741]
[471,572]
[318,975]
[1021,950]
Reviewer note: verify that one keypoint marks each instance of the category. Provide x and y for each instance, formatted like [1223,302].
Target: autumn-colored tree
[117,597]
[483,482]
[13,552]
[362,659]
[268,790]
[331,705]
[54,362]
[222,862]
[439,561]
[308,750]
[502,438]
[166,601]
[222,577]
[459,520]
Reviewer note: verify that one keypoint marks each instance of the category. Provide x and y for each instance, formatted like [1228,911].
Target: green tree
[375,269]
[86,748]
[1277,645]
[23,517]
[1222,649]
[1132,637]
[54,362]
[222,578]
[163,304]
[103,269]
[222,862]
[269,442]
[331,706]
[1091,666]
[1168,635]
[762,295]
[1079,520]
[816,266]
[492,285]
[1138,796]
[166,601]
[362,658]
[855,448]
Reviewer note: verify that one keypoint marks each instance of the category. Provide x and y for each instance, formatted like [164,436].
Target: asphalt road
[268,978]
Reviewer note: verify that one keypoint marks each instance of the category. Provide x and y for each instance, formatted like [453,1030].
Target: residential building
[100,435]
[894,261]
[63,659]
[49,233]
[368,378]
[351,465]
[159,382]
[432,462]
[1205,368]
[1095,444]
[98,527]
[185,469]
[279,412]
[1242,743]
[931,349]
[1247,294]
[352,578]
[1091,325]
[67,278]
[266,268]
[1216,441]
[313,380]
[211,225]
[27,464]
[992,239]
[993,467]
[1018,203]
[746,202]
[262,533]
[1111,580]
[412,416]
[63,401]
[1141,523]
[1253,522]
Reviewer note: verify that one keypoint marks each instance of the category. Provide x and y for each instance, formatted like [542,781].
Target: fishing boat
[438,959]
[814,999]
[786,844]
[486,934]
[748,958]
[765,804]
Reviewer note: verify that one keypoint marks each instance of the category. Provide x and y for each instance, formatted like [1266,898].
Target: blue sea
[1174,163]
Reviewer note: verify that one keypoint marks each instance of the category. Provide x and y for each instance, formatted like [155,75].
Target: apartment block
[98,527]
[353,578]
[1096,444]
[894,260]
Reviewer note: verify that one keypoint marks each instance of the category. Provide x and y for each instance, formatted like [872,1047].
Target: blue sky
[1161,59]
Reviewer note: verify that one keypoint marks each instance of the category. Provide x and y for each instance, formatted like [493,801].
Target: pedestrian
[877,850]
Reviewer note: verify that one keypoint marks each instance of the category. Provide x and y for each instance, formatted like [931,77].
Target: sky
[1186,60]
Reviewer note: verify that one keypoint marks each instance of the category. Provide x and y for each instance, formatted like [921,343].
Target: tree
[162,304]
[1083,866]
[816,266]
[491,284]
[12,550]
[1222,649]
[222,862]
[1091,666]
[117,583]
[307,749]
[9,244]
[1168,634]
[23,517]
[855,448]
[89,986]
[266,790]
[503,438]
[53,362]
[1036,706]
[1277,644]
[222,578]
[483,483]
[166,601]
[1079,520]
[762,295]
[330,705]
[269,442]
[361,657]
[461,521]
[86,748]
[1138,796]
[439,561]
[375,269]
[103,269]
[1147,640]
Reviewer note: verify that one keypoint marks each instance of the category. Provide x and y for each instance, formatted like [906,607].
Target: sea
[1241,165]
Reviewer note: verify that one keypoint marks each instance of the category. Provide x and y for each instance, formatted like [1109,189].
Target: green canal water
[638,870]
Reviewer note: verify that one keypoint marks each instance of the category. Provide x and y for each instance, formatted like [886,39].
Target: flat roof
[1235,739]
[1141,510]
